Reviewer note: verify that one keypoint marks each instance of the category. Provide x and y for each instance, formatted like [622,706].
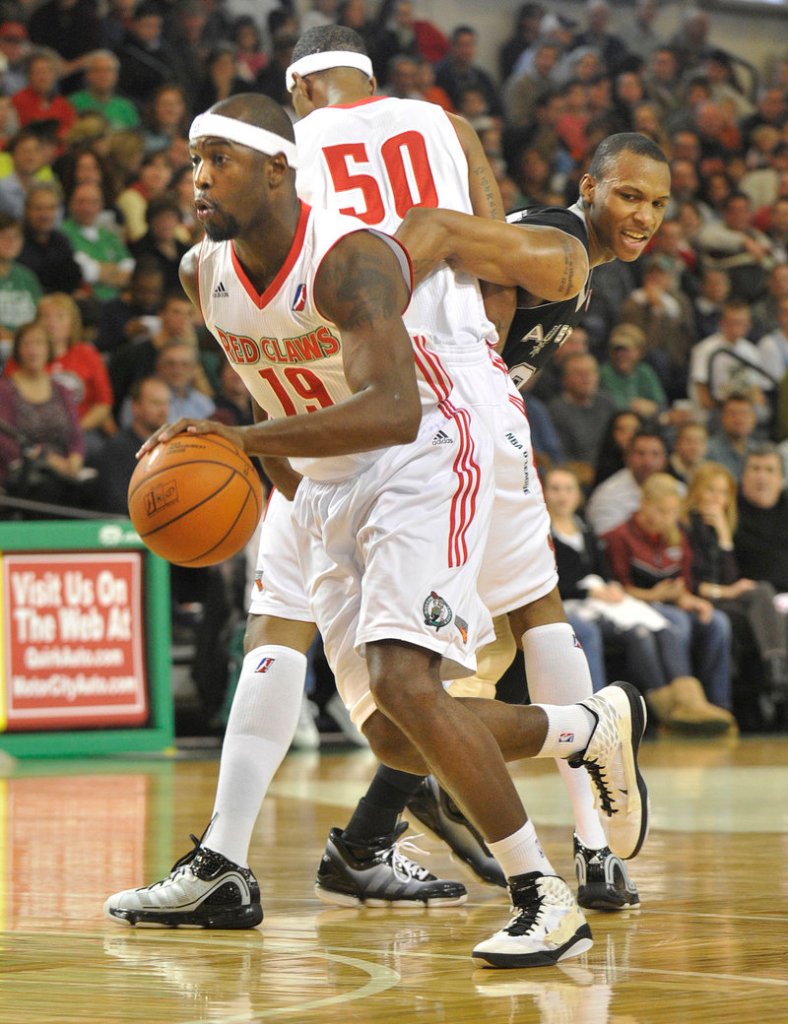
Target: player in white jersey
[347,526]
[378,157]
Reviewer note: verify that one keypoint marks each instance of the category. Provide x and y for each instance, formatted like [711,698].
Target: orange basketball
[195,500]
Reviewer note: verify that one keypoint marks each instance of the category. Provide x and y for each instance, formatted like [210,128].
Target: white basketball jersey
[288,354]
[376,159]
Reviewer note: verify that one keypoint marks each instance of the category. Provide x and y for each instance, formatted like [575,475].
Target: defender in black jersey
[548,253]
[537,331]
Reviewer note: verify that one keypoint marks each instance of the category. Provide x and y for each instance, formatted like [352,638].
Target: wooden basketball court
[708,945]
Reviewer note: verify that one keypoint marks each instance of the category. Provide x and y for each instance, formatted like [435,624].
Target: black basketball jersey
[537,332]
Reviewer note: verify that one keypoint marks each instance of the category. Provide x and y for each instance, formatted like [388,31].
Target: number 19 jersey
[288,354]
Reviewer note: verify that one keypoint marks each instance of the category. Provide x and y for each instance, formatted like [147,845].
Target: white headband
[314,62]
[246,134]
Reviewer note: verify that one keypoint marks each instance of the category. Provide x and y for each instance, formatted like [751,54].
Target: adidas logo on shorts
[220,292]
[442,438]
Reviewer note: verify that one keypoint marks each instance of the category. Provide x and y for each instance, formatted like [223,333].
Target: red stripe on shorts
[466,468]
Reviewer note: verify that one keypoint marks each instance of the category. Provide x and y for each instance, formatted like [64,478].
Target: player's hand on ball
[194,427]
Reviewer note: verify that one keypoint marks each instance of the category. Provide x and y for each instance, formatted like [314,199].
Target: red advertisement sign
[71,648]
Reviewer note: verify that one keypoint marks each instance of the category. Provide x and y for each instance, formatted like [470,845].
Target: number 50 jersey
[375,160]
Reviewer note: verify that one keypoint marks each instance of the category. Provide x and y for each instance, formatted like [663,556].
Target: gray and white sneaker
[620,796]
[203,890]
[436,811]
[546,925]
[379,875]
[603,882]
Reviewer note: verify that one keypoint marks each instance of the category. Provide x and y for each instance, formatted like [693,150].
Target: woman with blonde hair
[710,512]
[650,556]
[597,608]
[78,367]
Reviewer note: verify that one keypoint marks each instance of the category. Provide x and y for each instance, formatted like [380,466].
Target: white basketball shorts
[519,561]
[394,554]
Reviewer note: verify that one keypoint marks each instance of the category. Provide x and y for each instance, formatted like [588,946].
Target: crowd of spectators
[679,359]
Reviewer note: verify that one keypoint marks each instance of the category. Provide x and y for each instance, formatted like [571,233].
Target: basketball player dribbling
[296,275]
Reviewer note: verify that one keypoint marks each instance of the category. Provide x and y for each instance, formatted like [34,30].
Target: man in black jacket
[761,540]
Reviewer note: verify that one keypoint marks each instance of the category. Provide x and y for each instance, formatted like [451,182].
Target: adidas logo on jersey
[220,292]
[442,438]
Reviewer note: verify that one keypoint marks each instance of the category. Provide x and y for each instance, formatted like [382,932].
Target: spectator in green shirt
[105,261]
[631,383]
[101,78]
[19,287]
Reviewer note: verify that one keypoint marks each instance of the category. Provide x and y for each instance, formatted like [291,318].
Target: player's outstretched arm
[547,262]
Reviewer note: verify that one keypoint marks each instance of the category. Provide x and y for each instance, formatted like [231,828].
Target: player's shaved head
[325,38]
[257,110]
[623,142]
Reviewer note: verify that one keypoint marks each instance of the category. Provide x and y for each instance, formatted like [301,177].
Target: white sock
[521,852]
[260,729]
[557,672]
[569,728]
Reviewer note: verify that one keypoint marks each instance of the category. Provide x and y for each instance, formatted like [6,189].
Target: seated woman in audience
[650,556]
[599,610]
[78,367]
[711,514]
[45,460]
[252,57]
[167,117]
[620,430]
[152,181]
[84,166]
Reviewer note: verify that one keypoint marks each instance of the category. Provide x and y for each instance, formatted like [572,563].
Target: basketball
[195,500]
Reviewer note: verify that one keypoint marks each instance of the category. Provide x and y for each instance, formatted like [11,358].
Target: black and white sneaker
[203,890]
[379,875]
[436,811]
[603,882]
[611,760]
[547,925]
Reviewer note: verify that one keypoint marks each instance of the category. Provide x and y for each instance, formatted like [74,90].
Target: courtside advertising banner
[71,643]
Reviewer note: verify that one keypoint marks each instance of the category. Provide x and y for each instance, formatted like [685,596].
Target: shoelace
[178,868]
[602,784]
[524,918]
[402,866]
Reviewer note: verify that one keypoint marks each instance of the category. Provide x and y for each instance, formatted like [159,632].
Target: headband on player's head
[325,61]
[221,127]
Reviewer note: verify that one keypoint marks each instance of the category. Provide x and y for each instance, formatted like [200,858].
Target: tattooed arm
[544,261]
[359,287]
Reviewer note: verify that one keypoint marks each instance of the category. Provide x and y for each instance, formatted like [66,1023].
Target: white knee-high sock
[558,673]
[259,731]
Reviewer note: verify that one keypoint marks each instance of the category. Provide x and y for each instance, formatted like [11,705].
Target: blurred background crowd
[678,370]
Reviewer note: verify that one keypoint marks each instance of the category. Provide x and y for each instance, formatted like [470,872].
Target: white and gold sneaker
[547,925]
